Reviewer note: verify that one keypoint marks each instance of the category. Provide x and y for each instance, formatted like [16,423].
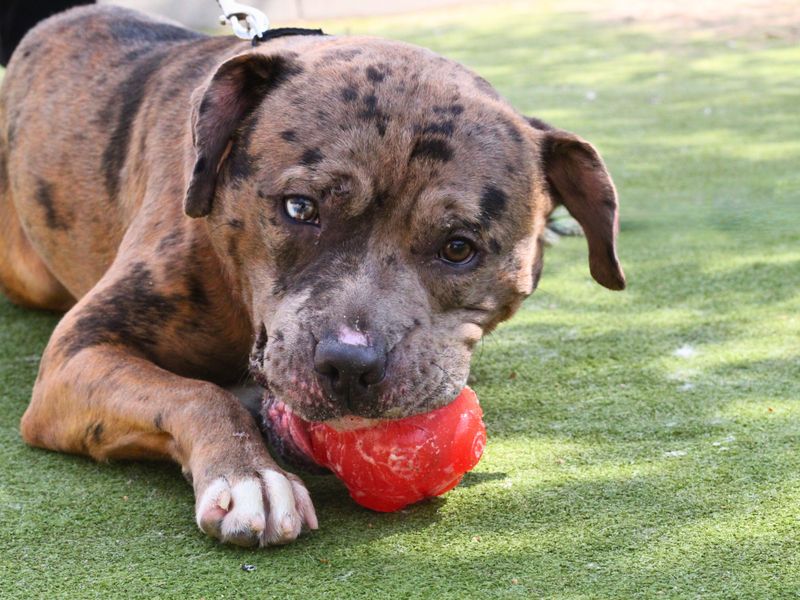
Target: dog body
[345,217]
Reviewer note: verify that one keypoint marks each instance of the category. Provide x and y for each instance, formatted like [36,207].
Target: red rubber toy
[394,463]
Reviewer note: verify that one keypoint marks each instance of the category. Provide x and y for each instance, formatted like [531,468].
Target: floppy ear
[578,179]
[235,90]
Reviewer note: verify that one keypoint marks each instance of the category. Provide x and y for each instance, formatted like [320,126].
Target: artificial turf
[642,444]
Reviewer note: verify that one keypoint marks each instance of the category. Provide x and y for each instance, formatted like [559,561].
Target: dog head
[380,209]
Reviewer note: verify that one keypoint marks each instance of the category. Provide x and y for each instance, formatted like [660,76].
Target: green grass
[615,468]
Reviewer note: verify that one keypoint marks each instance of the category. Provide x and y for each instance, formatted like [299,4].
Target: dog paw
[271,508]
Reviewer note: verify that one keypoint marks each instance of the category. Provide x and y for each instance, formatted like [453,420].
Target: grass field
[643,444]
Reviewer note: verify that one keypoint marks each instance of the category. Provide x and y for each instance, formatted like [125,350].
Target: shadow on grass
[474,478]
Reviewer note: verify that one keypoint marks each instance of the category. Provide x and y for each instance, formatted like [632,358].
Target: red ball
[394,463]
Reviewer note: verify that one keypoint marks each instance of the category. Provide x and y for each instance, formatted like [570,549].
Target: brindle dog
[345,216]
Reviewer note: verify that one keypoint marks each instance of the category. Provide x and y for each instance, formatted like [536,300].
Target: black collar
[284,31]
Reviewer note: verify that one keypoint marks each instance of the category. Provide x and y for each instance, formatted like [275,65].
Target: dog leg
[108,401]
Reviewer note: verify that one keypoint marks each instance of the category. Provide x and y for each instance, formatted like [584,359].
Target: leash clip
[248,23]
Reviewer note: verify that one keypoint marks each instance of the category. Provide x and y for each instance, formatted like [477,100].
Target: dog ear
[235,91]
[578,179]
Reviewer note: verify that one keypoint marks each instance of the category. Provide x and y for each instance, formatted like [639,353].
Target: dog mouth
[287,433]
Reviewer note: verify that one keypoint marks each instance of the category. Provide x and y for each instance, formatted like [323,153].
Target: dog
[344,217]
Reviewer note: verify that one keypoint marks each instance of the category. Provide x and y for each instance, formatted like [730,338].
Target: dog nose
[349,371]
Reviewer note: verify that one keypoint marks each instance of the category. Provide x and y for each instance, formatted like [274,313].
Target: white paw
[256,511]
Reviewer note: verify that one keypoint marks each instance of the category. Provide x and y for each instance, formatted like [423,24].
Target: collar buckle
[248,23]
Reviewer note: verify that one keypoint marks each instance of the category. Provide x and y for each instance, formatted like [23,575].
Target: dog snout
[349,372]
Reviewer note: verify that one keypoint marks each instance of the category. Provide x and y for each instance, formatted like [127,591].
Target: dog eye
[457,251]
[302,209]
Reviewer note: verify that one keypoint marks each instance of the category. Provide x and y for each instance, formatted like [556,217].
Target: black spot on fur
[375,75]
[371,112]
[495,246]
[158,422]
[290,135]
[44,198]
[240,165]
[127,31]
[371,103]
[301,266]
[131,312]
[493,204]
[433,149]
[444,128]
[170,241]
[380,198]
[279,335]
[196,291]
[129,57]
[485,87]
[262,338]
[125,104]
[236,223]
[94,433]
[240,162]
[513,132]
[539,124]
[349,93]
[311,157]
[453,109]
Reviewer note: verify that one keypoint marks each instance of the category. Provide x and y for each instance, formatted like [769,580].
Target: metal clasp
[248,23]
